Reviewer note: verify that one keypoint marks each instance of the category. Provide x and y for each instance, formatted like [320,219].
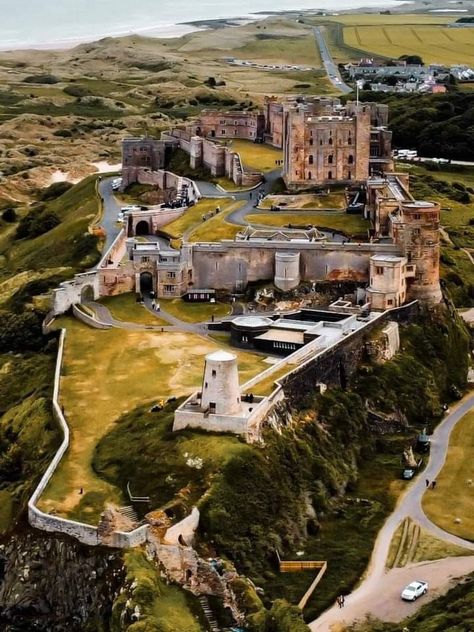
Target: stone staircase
[213,625]
[129,512]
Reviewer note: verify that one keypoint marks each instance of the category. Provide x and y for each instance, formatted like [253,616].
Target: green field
[192,218]
[194,312]
[217,227]
[125,308]
[146,367]
[453,497]
[350,225]
[435,44]
[256,156]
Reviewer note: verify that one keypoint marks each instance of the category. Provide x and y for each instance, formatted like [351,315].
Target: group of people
[431,485]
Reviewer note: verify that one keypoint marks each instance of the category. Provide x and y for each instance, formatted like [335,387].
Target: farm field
[435,44]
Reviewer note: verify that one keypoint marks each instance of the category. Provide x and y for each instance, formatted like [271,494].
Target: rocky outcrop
[54,584]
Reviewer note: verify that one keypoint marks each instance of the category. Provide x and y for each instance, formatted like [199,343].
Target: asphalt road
[331,68]
[409,505]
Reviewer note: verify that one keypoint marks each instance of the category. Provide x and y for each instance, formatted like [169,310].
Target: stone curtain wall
[335,365]
[85,533]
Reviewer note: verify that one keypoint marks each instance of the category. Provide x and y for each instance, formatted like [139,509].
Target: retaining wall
[85,533]
[89,320]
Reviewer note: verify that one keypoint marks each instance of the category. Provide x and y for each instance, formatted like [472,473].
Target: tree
[9,215]
[211,82]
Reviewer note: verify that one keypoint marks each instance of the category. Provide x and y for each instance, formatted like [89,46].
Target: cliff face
[52,584]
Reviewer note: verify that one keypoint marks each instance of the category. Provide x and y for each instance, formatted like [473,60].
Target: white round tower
[220,387]
[287,270]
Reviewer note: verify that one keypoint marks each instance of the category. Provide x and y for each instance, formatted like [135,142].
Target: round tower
[418,234]
[287,270]
[220,387]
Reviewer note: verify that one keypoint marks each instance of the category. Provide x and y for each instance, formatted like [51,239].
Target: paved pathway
[409,505]
[331,67]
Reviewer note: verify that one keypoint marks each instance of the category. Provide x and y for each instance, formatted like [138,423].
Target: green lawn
[257,156]
[335,200]
[192,218]
[217,228]
[125,307]
[350,225]
[453,496]
[194,312]
[105,374]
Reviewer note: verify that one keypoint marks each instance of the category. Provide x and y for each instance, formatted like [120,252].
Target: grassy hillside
[289,494]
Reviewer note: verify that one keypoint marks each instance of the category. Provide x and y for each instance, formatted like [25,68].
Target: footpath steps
[209,614]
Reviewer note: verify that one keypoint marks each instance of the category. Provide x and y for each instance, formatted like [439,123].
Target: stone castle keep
[323,142]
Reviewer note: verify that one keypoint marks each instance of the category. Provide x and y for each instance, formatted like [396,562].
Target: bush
[9,215]
[55,190]
[63,133]
[21,332]
[47,79]
[36,223]
[77,91]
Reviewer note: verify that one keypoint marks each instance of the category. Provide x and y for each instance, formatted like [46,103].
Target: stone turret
[416,230]
[220,386]
[287,270]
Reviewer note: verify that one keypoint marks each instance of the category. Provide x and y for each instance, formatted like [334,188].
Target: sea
[65,23]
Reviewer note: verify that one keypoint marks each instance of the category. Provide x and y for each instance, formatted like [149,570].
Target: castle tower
[287,270]
[416,230]
[220,387]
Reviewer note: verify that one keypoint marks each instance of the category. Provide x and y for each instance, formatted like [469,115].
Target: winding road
[330,66]
[375,591]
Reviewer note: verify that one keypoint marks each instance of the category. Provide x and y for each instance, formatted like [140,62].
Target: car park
[414,590]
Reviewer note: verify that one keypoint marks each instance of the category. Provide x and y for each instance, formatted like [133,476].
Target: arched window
[309,175]
[330,141]
[329,175]
[330,159]
[350,160]
[349,141]
[349,175]
[311,159]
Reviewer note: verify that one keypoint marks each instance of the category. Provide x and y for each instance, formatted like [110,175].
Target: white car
[131,207]
[116,184]
[414,590]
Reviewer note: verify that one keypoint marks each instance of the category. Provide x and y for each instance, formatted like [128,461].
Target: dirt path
[365,597]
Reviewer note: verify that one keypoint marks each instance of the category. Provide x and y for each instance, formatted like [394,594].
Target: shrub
[9,215]
[36,223]
[55,190]
[77,91]
[21,332]
[63,133]
[47,79]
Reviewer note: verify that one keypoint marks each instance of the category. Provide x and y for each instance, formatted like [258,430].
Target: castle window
[417,216]
[349,175]
[330,141]
[205,385]
[350,160]
[145,259]
[311,160]
[349,141]
[214,373]
[309,175]
[329,175]
[310,141]
[171,275]
[223,132]
[379,270]
[330,159]
[390,301]
[169,289]
[321,142]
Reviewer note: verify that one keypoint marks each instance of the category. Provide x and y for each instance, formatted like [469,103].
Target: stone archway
[142,228]
[146,283]
[87,294]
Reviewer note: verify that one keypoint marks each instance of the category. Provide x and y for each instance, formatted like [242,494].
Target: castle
[324,142]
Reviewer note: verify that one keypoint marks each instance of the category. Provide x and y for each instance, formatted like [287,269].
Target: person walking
[427,483]
[343,601]
[433,484]
[338,601]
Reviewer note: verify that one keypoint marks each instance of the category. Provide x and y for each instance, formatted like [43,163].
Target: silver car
[414,590]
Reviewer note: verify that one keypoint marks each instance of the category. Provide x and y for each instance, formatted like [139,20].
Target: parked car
[414,590]
[116,184]
[408,473]
[423,442]
[130,207]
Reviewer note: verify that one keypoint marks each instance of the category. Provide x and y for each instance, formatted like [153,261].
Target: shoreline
[180,29]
